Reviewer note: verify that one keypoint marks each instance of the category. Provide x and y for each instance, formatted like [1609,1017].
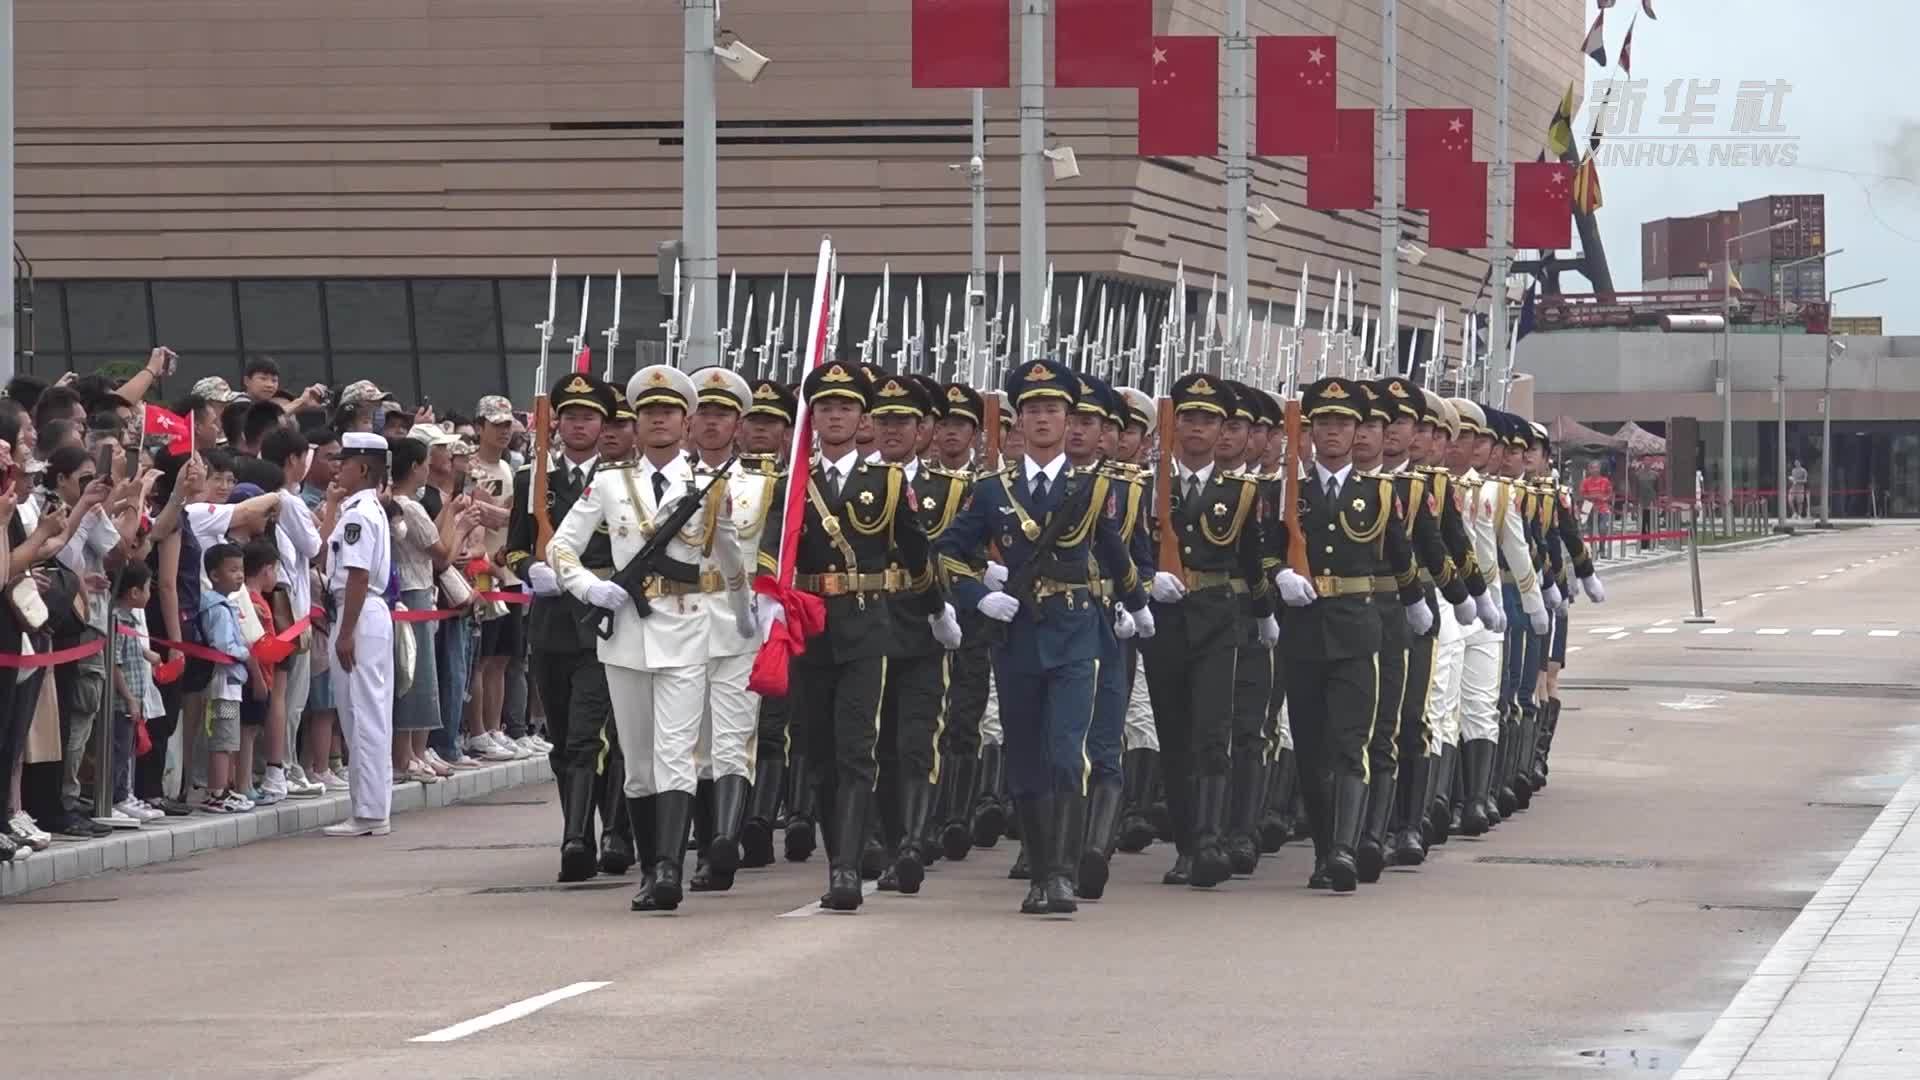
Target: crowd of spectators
[162,567]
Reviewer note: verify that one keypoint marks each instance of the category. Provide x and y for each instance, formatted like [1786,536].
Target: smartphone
[103,463]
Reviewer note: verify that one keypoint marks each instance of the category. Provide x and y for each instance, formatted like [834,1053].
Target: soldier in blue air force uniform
[1046,518]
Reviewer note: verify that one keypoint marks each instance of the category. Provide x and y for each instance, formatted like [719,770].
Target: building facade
[372,187]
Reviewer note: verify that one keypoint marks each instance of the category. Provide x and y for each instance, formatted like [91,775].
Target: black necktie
[574,477]
[659,487]
[833,481]
[1193,487]
[1039,486]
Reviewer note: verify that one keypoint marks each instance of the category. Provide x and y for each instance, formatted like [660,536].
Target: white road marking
[1781,588]
[1772,631]
[1617,637]
[1756,596]
[508,1013]
[1661,630]
[1828,633]
[867,888]
[1694,702]
[1801,582]
[1728,603]
[1824,577]
[1663,622]
[1575,648]
[1606,629]
[1718,630]
[1883,633]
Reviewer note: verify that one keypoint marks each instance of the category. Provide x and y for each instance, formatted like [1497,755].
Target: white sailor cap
[363,442]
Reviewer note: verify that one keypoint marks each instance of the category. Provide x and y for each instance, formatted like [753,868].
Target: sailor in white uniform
[359,564]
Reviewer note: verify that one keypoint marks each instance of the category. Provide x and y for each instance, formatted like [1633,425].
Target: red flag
[583,360]
[1458,216]
[1343,180]
[1180,103]
[1542,205]
[1100,43]
[176,429]
[961,44]
[1297,82]
[1436,138]
[1626,48]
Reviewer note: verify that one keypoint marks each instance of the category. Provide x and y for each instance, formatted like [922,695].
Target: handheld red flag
[176,429]
[1180,101]
[1297,91]
[583,360]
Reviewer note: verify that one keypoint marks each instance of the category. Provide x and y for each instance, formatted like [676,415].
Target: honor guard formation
[1079,617]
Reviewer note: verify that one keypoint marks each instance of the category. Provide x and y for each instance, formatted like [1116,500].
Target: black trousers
[1332,705]
[1192,692]
[573,689]
[1252,694]
[774,737]
[912,712]
[1383,740]
[838,707]
[1415,738]
[969,671]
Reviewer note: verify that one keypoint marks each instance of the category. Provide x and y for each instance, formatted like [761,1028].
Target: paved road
[1704,786]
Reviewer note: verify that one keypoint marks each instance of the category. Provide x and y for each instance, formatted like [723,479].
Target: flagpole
[7,299]
[1502,359]
[977,269]
[1390,176]
[1033,162]
[699,179]
[1239,45]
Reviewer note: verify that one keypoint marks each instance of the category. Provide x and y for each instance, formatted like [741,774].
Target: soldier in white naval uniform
[656,664]
[359,562]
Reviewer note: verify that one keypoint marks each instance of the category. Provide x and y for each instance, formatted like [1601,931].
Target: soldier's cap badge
[837,374]
[893,389]
[766,392]
[577,385]
[1335,392]
[1201,387]
[1396,389]
[1039,373]
[954,393]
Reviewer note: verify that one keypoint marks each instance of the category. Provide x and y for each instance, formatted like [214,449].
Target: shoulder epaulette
[613,466]
[1241,475]
[951,474]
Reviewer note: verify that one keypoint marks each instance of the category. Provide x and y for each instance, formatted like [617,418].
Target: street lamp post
[1726,374]
[1826,411]
[1780,377]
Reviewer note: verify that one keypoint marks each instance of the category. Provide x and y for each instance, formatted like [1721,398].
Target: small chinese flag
[1626,48]
[1543,205]
[1586,187]
[1298,88]
[1343,180]
[961,44]
[1436,140]
[176,429]
[1100,43]
[583,360]
[1180,101]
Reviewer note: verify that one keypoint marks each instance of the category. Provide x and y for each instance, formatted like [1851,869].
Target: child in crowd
[220,622]
[258,561]
[132,659]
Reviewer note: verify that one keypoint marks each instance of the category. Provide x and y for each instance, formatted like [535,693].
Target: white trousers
[1283,727]
[1480,686]
[730,730]
[364,698]
[1140,732]
[990,734]
[1443,696]
[658,714]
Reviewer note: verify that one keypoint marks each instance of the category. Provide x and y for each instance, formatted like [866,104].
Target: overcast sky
[1853,126]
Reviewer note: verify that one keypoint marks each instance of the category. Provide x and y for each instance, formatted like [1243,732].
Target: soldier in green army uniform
[1199,608]
[1348,522]
[765,434]
[563,663]
[946,486]
[863,550]
[1237,455]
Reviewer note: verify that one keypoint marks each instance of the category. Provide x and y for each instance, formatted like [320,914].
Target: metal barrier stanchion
[103,731]
[1693,567]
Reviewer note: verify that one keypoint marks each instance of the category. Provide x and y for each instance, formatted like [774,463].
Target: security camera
[1412,252]
[1065,165]
[1263,217]
[742,60]
[1837,349]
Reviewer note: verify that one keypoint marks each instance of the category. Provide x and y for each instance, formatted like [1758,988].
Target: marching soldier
[947,487]
[863,551]
[1046,518]
[655,653]
[729,729]
[563,661]
[1140,767]
[1565,534]
[1347,522]
[913,707]
[360,558]
[766,435]
[1190,663]
[1276,818]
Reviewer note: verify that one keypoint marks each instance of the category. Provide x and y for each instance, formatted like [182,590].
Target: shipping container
[1675,247]
[1804,284]
[1690,283]
[1722,226]
[1858,325]
[1807,236]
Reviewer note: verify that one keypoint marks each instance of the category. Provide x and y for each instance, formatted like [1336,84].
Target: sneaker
[354,826]
[274,788]
[331,781]
[117,819]
[540,744]
[28,832]
[136,811]
[74,826]
[295,773]
[521,751]
[529,744]
[489,750]
[237,803]
[173,807]
[464,764]
[215,803]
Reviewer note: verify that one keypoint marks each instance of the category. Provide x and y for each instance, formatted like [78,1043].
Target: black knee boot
[916,806]
[1246,799]
[756,832]
[802,810]
[1139,770]
[1477,756]
[1036,819]
[1065,837]
[1096,851]
[642,815]
[616,825]
[1349,803]
[723,850]
[1210,865]
[849,832]
[1276,822]
[1370,855]
[576,844]
[673,812]
[952,799]
[989,816]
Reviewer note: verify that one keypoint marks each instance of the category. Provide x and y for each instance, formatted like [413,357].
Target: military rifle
[639,571]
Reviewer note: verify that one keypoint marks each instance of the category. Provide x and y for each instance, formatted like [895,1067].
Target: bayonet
[726,330]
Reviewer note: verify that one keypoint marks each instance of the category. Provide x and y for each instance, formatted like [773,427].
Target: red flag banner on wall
[1100,43]
[962,44]
[1458,216]
[1343,180]
[1543,205]
[1437,139]
[1296,95]
[1180,101]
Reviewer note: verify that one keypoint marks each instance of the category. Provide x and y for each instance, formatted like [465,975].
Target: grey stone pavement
[1838,995]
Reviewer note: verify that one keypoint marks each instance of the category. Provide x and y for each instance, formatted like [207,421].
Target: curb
[173,839]
[1667,558]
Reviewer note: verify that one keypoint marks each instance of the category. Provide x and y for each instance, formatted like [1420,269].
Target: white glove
[1541,622]
[999,607]
[946,627]
[544,581]
[1465,612]
[1166,589]
[1594,590]
[1551,594]
[766,612]
[1123,624]
[1419,618]
[1491,616]
[1143,626]
[1269,631]
[605,594]
[1295,590]
[996,576]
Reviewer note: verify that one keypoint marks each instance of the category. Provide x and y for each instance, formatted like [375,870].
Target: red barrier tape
[1612,537]
[58,656]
